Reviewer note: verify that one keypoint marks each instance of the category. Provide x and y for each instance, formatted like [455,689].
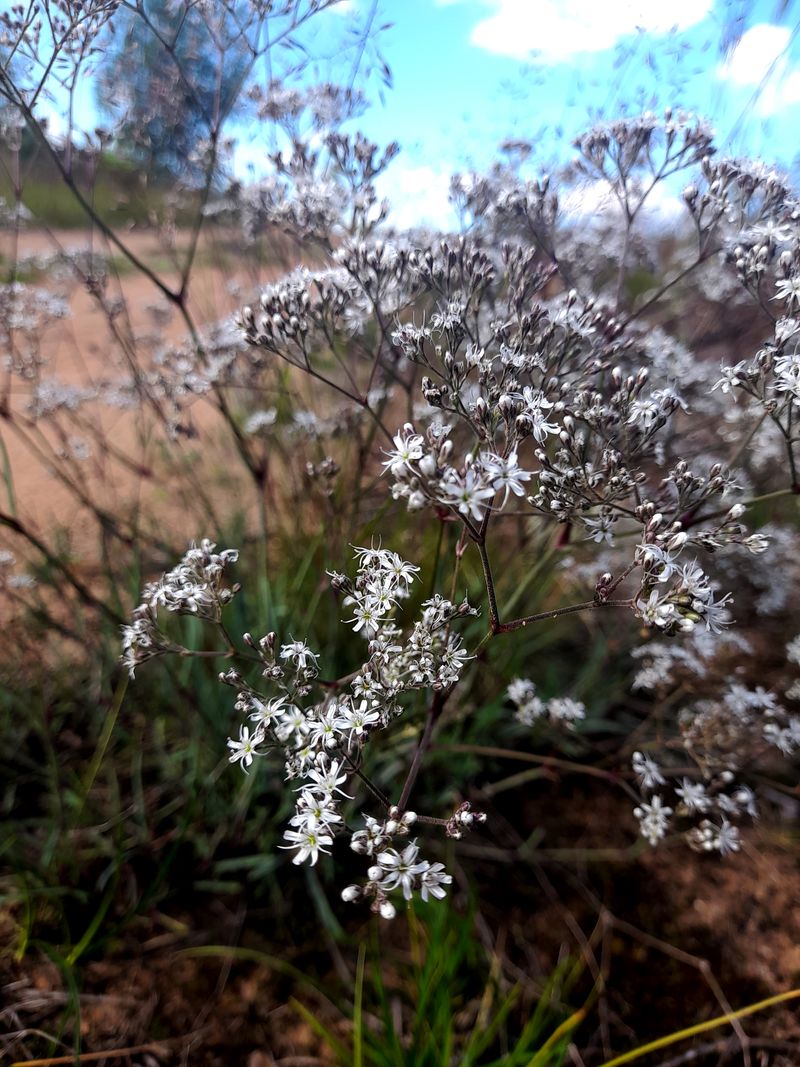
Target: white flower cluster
[25,308]
[323,740]
[772,378]
[689,600]
[568,410]
[399,869]
[195,587]
[531,709]
[423,475]
[722,735]
[694,657]
[692,798]
[10,580]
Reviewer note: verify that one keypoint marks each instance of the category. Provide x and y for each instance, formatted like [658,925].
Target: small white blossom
[653,819]
[647,771]
[245,748]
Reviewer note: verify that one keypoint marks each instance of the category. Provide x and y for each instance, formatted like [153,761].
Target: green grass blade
[358,1007]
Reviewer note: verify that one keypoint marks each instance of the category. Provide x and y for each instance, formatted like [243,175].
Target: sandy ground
[81,350]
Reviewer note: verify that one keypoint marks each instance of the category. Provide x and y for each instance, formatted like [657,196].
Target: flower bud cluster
[196,587]
[303,302]
[772,378]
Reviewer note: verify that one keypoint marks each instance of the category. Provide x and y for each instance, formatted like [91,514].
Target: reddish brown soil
[646,924]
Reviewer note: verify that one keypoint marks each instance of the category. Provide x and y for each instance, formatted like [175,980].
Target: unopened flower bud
[388,910]
[427,466]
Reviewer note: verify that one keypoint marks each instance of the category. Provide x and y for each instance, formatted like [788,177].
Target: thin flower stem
[436,559]
[198,653]
[518,624]
[544,761]
[790,450]
[776,494]
[618,581]
[494,618]
[434,711]
[376,792]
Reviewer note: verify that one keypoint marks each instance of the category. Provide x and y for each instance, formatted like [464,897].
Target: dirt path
[84,350]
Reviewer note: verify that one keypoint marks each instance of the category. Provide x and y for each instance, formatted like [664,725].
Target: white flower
[313,810]
[400,869]
[566,710]
[468,494]
[245,748]
[536,404]
[746,800]
[785,329]
[301,655]
[408,448]
[653,819]
[505,473]
[787,374]
[263,714]
[716,615]
[732,378]
[324,730]
[658,559]
[328,776]
[291,721]
[693,795]
[432,881]
[600,530]
[647,771]
[260,420]
[727,838]
[310,840]
[655,611]
[788,289]
[366,616]
[356,720]
[521,690]
[530,711]
[400,569]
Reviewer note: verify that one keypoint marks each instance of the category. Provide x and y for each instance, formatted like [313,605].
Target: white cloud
[344,7]
[759,62]
[782,91]
[556,29]
[594,201]
[418,196]
[755,52]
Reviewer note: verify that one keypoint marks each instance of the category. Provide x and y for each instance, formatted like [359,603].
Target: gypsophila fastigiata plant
[523,401]
[531,382]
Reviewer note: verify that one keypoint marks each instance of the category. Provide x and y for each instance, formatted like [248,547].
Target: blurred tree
[172,74]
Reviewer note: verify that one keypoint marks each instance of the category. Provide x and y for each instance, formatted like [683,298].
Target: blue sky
[470,73]
[466,76]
